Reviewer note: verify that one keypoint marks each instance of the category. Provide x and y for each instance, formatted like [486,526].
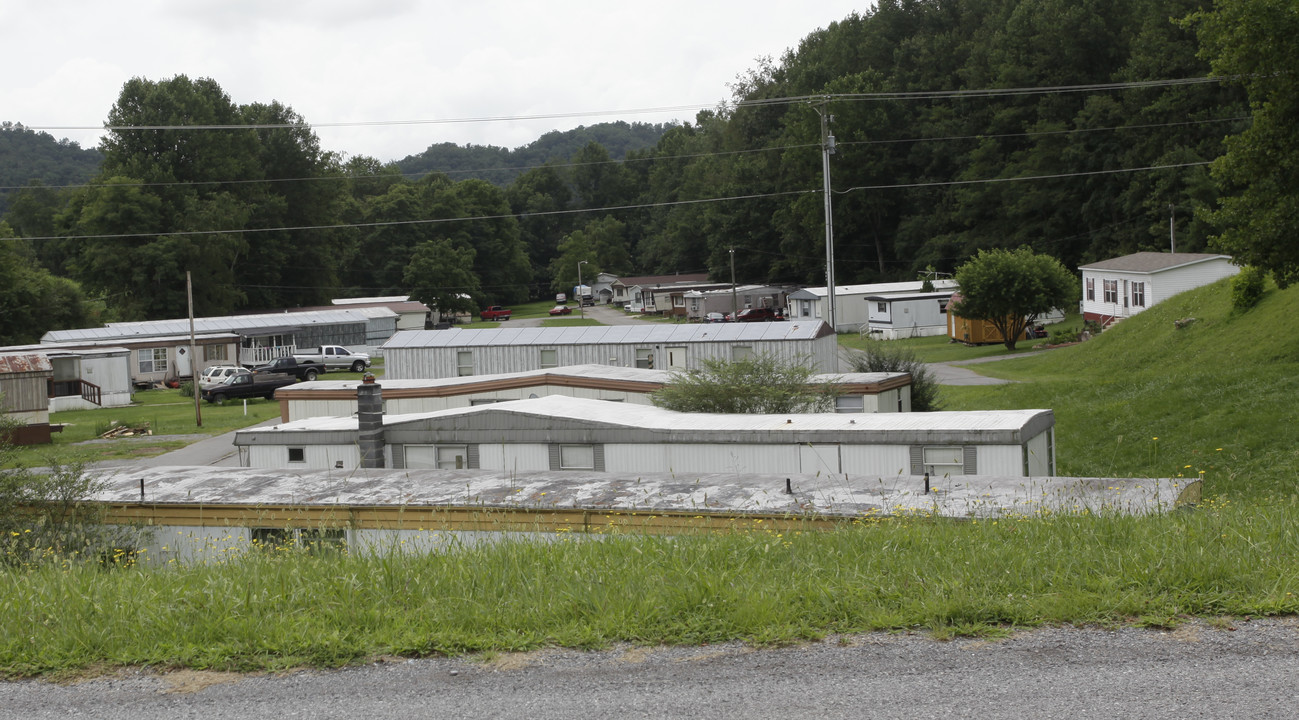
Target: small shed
[24,396]
[973,331]
[1124,286]
[424,354]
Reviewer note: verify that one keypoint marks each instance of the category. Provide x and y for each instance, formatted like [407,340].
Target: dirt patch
[517,661]
[184,682]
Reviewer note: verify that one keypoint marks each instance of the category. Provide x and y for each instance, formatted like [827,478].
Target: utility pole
[193,357]
[827,149]
[1172,228]
[735,306]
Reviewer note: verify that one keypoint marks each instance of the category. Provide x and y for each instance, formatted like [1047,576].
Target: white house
[859,392]
[853,311]
[567,433]
[1124,286]
[416,355]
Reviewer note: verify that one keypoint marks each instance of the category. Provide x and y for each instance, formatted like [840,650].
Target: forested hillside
[501,166]
[1083,129]
[27,157]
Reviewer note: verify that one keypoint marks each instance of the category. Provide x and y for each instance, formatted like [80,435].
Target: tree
[1258,176]
[441,276]
[765,384]
[1011,288]
[877,358]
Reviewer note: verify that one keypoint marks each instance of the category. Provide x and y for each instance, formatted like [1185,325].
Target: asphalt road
[1196,671]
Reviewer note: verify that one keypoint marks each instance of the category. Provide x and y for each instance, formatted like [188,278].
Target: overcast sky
[383,61]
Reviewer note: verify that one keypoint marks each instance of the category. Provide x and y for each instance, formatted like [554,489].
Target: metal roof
[657,334]
[1150,262]
[576,372]
[241,324]
[25,363]
[649,418]
[695,494]
[911,286]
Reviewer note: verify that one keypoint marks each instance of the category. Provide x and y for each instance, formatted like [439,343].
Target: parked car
[758,314]
[245,384]
[561,310]
[714,317]
[218,373]
[335,357]
[495,312]
[288,365]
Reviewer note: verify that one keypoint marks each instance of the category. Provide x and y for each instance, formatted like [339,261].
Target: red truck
[495,312]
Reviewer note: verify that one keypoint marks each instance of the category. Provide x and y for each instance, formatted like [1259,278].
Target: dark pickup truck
[291,366]
[245,385]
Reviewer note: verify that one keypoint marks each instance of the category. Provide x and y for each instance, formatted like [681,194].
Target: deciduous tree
[1011,288]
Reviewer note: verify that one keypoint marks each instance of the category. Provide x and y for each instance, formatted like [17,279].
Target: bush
[764,384]
[1247,288]
[879,358]
[187,389]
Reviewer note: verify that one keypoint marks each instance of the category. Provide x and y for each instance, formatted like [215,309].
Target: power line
[616,208]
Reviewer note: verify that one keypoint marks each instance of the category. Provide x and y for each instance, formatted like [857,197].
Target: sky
[408,74]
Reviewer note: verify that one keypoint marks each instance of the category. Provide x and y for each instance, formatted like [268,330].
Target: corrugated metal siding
[999,459]
[25,393]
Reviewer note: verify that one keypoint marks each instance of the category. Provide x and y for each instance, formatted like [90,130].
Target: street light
[581,306]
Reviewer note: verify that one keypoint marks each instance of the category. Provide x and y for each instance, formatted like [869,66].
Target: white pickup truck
[335,357]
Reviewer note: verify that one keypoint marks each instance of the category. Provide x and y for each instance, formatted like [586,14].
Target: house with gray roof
[1124,286]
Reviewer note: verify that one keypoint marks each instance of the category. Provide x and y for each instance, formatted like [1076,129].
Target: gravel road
[1246,670]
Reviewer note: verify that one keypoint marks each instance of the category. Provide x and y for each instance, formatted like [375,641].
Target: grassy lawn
[942,349]
[1141,400]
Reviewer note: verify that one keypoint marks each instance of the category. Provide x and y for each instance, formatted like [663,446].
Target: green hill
[1220,395]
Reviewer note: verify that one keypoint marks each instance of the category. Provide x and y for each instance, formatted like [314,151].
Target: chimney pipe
[369,417]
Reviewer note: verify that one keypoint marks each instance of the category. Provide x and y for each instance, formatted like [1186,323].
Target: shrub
[879,358]
[763,384]
[1247,288]
[187,389]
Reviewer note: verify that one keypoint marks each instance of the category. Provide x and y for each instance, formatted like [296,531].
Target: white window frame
[1139,294]
[152,360]
[301,452]
[216,352]
[552,354]
[1091,289]
[1110,288]
[645,358]
[464,363]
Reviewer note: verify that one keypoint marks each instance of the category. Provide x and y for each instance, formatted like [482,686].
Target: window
[1111,289]
[1091,289]
[215,352]
[576,457]
[882,308]
[549,359]
[310,539]
[849,404]
[153,360]
[741,353]
[453,457]
[1138,294]
[645,359]
[944,460]
[297,455]
[441,457]
[464,363]
[678,301]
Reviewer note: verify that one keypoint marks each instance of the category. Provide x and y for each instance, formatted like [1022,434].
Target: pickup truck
[334,357]
[495,312]
[244,385]
[287,365]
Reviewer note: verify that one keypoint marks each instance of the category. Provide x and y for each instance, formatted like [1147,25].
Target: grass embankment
[1227,381]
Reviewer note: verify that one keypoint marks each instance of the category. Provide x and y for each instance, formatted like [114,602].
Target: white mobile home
[1124,286]
[566,433]
[202,514]
[852,312]
[860,392]
[415,355]
[894,316]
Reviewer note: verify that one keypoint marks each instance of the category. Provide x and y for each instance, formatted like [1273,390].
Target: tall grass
[270,610]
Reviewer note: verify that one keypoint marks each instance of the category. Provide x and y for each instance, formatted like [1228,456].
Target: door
[676,358]
[184,368]
[822,459]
